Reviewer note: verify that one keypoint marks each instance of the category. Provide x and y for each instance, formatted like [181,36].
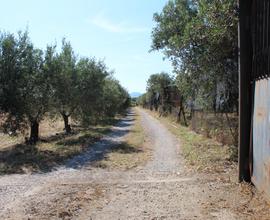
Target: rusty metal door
[261,136]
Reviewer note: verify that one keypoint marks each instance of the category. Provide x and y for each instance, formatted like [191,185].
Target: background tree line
[37,83]
[200,38]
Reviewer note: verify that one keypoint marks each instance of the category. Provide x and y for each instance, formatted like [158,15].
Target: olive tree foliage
[143,101]
[10,76]
[158,82]
[115,98]
[92,75]
[80,88]
[104,100]
[65,83]
[200,38]
[35,84]
[25,91]
[157,85]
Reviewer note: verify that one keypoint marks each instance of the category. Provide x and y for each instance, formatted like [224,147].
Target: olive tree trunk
[66,123]
[34,132]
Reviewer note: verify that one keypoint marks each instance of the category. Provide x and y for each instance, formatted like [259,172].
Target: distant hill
[135,94]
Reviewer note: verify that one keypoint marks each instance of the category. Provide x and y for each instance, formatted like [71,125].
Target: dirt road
[162,189]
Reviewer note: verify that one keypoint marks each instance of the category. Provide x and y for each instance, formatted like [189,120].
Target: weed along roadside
[108,113]
[52,150]
[217,168]
[202,153]
[64,192]
[132,151]
[131,170]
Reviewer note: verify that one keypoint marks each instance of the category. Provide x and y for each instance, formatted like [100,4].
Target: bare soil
[163,188]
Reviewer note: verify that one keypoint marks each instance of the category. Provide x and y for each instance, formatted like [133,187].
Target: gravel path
[166,147]
[162,189]
[16,189]
[159,190]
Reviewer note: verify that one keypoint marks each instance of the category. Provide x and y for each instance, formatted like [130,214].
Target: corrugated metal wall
[260,29]
[261,136]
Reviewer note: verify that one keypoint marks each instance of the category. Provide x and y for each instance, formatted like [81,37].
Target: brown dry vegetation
[217,166]
[201,153]
[48,127]
[221,126]
[66,202]
[131,153]
[53,149]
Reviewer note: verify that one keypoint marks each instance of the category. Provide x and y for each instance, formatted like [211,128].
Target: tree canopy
[200,38]
[36,83]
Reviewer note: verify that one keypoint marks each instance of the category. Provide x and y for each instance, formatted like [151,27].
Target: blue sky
[118,31]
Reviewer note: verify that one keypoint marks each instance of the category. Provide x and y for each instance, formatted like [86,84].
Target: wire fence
[222,126]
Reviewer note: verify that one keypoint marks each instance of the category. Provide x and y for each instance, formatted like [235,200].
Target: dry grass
[218,168]
[130,153]
[220,126]
[47,128]
[53,149]
[203,154]
[64,201]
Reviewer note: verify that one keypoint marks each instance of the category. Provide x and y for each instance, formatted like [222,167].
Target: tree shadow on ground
[109,121]
[80,140]
[73,150]
[77,130]
[125,123]
[125,148]
[23,158]
[100,151]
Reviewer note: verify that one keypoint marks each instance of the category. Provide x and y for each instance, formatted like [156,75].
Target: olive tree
[157,85]
[92,74]
[200,38]
[26,90]
[65,83]
[115,98]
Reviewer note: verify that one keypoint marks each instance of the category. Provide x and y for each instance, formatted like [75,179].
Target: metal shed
[254,93]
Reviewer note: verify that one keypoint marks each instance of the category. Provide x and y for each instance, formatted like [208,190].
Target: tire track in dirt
[162,189]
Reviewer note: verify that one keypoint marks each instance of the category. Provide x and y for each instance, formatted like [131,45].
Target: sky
[116,31]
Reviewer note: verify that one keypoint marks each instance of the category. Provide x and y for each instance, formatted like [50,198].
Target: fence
[221,126]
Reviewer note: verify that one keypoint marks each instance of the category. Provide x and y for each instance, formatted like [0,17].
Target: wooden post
[245,68]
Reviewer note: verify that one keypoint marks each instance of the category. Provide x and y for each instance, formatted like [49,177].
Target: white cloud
[102,22]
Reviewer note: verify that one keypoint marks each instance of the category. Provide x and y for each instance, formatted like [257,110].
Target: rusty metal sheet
[261,136]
